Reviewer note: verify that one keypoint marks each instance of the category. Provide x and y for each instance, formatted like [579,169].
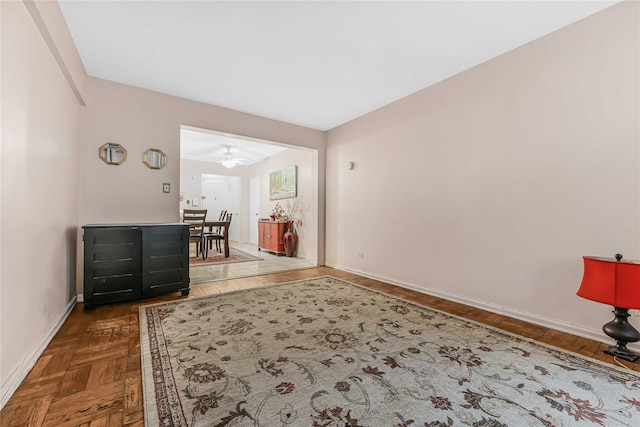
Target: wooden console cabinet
[133,261]
[270,235]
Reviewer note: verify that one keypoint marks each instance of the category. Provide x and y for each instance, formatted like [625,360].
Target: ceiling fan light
[228,163]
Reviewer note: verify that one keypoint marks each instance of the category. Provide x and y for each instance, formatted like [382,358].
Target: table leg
[226,243]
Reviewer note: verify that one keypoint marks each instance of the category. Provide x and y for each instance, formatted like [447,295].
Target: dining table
[223,226]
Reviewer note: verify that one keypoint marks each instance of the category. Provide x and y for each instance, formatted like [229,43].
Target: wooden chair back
[196,219]
[217,233]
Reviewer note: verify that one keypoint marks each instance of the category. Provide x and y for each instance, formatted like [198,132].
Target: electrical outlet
[360,255]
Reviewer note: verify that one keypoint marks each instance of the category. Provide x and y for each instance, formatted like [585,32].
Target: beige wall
[306,162]
[190,178]
[490,186]
[40,155]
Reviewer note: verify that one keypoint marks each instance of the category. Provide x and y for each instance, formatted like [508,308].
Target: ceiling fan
[228,160]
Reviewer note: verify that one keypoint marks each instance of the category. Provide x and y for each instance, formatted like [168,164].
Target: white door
[219,193]
[254,208]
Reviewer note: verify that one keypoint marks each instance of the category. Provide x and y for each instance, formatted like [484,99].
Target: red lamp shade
[611,282]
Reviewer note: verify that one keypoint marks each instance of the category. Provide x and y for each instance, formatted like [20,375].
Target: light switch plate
[166,187]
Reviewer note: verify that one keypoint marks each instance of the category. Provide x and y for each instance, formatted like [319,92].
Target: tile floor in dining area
[270,263]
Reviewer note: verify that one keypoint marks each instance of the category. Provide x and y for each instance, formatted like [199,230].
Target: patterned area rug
[324,352]
[235,255]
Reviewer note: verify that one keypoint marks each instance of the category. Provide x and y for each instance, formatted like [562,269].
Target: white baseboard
[570,328]
[28,361]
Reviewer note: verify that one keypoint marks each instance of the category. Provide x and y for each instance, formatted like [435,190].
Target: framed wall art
[283,183]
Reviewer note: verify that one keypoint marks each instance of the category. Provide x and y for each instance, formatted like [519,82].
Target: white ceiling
[315,64]
[208,146]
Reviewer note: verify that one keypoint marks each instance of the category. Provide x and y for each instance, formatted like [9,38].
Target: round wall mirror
[154,158]
[112,154]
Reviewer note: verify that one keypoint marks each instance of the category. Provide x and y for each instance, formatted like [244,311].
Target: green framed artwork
[283,183]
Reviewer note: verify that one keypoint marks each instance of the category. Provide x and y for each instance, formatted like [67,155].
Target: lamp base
[623,332]
[623,353]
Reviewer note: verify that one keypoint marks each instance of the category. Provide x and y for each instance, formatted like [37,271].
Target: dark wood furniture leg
[226,242]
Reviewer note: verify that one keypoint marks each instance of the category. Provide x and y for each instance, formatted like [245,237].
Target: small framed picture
[166,187]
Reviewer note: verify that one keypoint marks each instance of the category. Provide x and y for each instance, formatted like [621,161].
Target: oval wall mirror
[154,158]
[112,154]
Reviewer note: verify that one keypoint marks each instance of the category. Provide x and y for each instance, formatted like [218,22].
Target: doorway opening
[219,171]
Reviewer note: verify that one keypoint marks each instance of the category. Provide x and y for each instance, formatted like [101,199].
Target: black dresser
[127,262]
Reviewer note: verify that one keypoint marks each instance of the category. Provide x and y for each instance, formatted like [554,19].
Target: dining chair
[217,236]
[216,229]
[196,219]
